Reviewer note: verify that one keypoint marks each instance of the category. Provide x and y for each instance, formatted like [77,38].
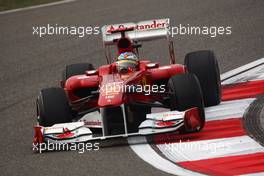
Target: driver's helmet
[127,62]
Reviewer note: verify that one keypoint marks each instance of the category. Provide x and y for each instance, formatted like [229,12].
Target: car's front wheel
[53,107]
[186,93]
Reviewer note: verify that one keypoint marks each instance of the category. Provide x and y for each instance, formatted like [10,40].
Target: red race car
[120,98]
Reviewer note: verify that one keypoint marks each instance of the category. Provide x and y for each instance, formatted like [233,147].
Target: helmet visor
[124,66]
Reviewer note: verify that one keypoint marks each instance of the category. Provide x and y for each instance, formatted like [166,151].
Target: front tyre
[53,107]
[186,93]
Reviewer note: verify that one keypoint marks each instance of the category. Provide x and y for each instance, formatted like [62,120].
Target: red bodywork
[148,72]
[107,74]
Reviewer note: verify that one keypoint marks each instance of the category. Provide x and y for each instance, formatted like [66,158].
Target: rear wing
[143,30]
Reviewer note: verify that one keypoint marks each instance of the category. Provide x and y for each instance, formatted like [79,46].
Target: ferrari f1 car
[117,99]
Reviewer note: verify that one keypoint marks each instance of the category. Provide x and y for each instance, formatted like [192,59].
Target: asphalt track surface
[29,63]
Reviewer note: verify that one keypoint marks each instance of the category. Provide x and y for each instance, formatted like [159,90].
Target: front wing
[155,123]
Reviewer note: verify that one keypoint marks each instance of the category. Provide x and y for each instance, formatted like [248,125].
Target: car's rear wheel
[186,93]
[205,66]
[53,107]
[76,69]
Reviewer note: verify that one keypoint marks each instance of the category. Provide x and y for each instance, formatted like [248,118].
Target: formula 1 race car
[119,98]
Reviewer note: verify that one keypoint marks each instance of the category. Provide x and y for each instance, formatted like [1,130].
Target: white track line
[225,110]
[230,74]
[36,6]
[228,109]
[208,149]
[256,73]
[145,152]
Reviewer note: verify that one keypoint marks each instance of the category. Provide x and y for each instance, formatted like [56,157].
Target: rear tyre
[76,69]
[185,94]
[53,107]
[205,66]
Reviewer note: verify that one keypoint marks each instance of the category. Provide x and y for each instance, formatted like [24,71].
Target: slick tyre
[205,66]
[78,69]
[52,107]
[75,69]
[186,93]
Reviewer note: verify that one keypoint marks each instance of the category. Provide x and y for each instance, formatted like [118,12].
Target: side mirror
[152,65]
[91,72]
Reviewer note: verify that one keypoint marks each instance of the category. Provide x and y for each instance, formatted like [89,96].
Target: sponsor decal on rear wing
[143,30]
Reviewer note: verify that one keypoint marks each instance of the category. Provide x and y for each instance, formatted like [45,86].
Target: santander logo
[154,24]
